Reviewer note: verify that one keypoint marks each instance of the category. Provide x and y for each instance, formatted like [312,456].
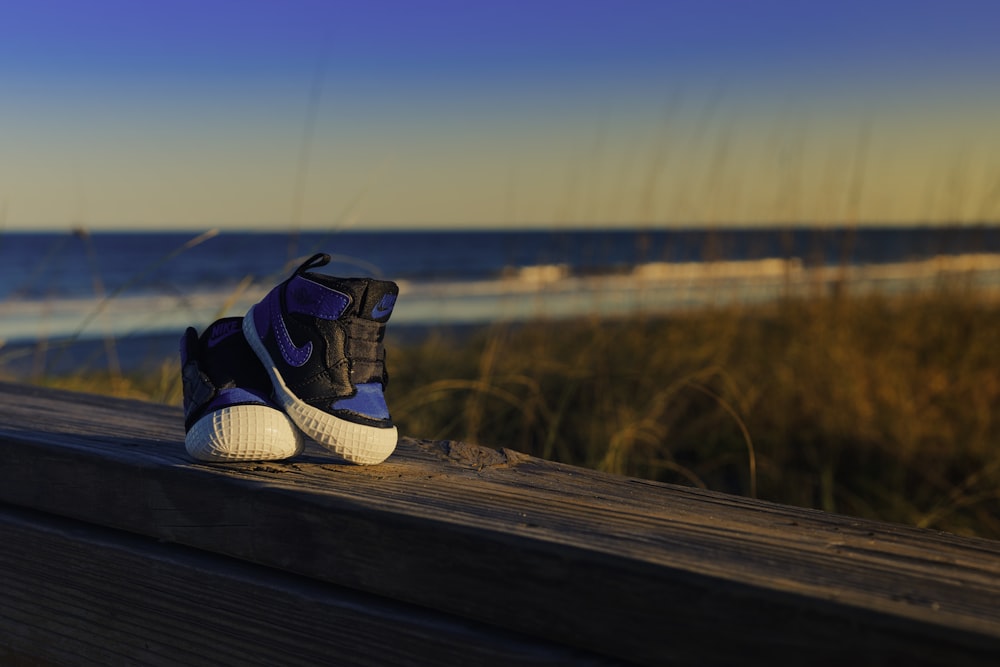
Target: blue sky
[250,114]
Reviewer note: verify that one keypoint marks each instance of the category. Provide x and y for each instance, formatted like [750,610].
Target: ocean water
[143,286]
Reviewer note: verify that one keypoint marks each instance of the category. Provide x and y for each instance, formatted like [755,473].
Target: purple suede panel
[369,401]
[262,313]
[309,298]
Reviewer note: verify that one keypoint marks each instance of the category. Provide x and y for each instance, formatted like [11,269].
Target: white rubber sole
[355,443]
[243,433]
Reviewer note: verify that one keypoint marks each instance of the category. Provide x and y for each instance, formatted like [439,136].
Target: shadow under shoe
[228,411]
[320,340]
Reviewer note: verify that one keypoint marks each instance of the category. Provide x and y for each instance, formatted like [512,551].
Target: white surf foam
[544,291]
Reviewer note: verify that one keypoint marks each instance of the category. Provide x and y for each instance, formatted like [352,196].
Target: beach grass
[873,406]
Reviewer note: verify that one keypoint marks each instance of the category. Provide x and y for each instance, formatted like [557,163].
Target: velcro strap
[365,350]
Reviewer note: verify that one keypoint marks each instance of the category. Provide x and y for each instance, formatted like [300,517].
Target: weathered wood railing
[115,548]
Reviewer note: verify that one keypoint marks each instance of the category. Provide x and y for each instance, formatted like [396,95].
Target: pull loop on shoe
[314,262]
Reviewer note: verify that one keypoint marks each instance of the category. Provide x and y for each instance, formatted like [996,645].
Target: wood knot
[478,457]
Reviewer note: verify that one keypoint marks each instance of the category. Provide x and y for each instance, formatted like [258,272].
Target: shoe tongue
[227,359]
[378,300]
[220,331]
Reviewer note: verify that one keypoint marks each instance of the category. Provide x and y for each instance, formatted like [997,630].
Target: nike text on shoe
[228,412]
[320,339]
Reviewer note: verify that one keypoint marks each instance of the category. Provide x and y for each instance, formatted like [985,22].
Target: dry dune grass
[865,405]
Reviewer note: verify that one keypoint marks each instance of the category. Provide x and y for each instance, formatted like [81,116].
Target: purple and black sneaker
[320,340]
[228,411]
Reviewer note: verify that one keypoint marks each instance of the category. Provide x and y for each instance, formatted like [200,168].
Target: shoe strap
[363,347]
[303,295]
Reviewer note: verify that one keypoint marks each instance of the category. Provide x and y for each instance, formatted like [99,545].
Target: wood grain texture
[75,594]
[636,570]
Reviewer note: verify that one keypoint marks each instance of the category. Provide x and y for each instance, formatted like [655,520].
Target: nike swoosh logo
[292,353]
[384,307]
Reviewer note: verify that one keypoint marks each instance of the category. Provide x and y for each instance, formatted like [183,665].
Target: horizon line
[243,228]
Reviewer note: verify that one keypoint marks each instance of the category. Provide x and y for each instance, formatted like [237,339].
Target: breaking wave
[541,291]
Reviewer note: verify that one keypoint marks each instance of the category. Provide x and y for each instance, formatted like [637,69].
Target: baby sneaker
[320,340]
[228,412]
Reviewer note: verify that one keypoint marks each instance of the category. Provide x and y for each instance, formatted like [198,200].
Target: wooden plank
[75,594]
[636,570]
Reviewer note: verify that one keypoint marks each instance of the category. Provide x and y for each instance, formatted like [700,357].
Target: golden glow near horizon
[741,172]
[721,136]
